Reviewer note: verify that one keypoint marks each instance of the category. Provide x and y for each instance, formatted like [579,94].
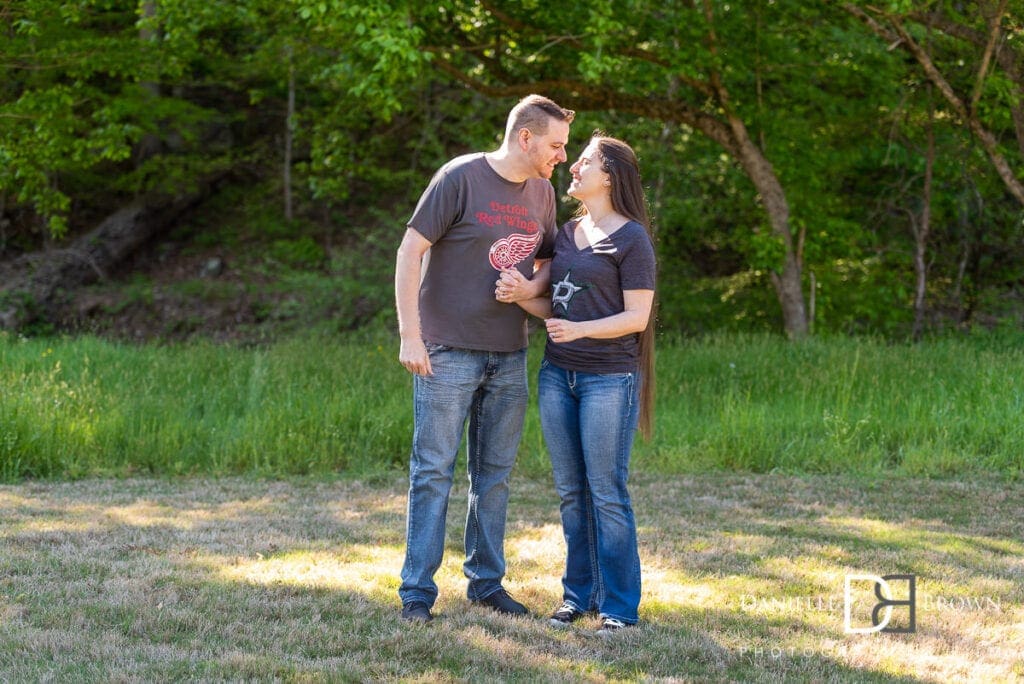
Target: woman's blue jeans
[490,390]
[589,421]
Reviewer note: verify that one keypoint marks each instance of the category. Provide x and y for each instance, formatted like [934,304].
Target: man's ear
[523,136]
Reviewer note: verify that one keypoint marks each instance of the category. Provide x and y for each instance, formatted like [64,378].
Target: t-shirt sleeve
[547,243]
[438,208]
[637,268]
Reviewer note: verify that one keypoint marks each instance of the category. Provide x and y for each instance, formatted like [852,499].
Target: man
[481,214]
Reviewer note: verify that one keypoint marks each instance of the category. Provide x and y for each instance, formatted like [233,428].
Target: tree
[677,64]
[980,25]
[784,147]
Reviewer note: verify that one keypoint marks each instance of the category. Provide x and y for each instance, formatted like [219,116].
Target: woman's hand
[561,330]
[512,286]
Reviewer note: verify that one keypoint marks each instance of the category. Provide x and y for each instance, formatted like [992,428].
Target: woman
[598,356]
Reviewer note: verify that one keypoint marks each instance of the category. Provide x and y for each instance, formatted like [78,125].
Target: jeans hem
[415,598]
[477,597]
[576,607]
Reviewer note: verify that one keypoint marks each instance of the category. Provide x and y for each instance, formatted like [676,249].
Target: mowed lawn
[744,577]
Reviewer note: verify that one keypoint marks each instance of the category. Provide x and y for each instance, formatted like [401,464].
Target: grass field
[80,407]
[139,541]
[295,580]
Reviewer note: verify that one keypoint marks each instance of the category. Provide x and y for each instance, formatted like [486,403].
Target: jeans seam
[474,479]
[625,449]
[593,533]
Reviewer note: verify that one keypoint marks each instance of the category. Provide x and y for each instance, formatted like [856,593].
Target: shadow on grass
[241,579]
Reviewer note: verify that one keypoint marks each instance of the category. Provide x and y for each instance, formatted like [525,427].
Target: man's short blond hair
[533,113]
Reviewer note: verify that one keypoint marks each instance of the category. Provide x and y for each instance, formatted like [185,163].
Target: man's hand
[413,355]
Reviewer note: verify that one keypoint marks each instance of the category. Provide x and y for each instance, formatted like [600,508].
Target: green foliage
[303,252]
[83,89]
[278,277]
[106,100]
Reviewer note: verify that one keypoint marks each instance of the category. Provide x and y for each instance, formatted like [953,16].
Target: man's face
[548,150]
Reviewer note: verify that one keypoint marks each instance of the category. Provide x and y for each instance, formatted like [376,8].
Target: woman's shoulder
[636,240]
[634,231]
[633,226]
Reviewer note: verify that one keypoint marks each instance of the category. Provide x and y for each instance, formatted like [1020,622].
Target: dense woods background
[812,166]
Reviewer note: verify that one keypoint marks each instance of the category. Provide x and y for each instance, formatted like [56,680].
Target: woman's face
[588,178]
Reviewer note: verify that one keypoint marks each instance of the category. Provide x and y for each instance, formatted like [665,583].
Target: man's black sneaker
[501,602]
[565,615]
[416,611]
[610,626]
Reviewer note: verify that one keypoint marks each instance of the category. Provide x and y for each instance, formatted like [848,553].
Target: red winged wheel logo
[509,251]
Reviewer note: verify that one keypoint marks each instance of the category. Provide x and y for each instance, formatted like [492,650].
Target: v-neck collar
[591,245]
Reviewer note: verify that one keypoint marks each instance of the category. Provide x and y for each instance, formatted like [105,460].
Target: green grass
[760,404]
[70,408]
[76,407]
[228,579]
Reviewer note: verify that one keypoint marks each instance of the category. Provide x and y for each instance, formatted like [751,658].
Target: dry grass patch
[132,580]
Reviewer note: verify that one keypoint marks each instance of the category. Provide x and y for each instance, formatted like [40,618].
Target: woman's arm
[633,319]
[538,306]
[513,286]
[529,294]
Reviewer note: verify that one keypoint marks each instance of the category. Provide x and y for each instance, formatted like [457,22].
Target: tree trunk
[33,284]
[787,281]
[731,134]
[289,127]
[924,225]
[149,145]
[922,231]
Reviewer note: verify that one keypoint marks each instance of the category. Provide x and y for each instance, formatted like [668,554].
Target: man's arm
[408,272]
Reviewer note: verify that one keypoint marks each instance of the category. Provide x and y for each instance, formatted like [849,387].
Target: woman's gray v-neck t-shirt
[588,284]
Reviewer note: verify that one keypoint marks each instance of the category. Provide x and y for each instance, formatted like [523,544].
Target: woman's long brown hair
[627,194]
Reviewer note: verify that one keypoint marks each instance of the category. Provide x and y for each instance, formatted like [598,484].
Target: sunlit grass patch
[743,581]
[356,568]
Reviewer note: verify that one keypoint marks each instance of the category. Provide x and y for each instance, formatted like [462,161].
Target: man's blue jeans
[490,389]
[589,421]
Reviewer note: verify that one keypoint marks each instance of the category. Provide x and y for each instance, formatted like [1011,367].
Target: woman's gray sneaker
[610,626]
[565,615]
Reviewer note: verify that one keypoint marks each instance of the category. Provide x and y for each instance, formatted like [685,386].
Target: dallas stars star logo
[563,291]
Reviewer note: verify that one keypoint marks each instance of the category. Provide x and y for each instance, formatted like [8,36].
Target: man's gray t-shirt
[479,223]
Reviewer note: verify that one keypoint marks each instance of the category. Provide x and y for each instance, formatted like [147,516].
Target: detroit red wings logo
[509,251]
